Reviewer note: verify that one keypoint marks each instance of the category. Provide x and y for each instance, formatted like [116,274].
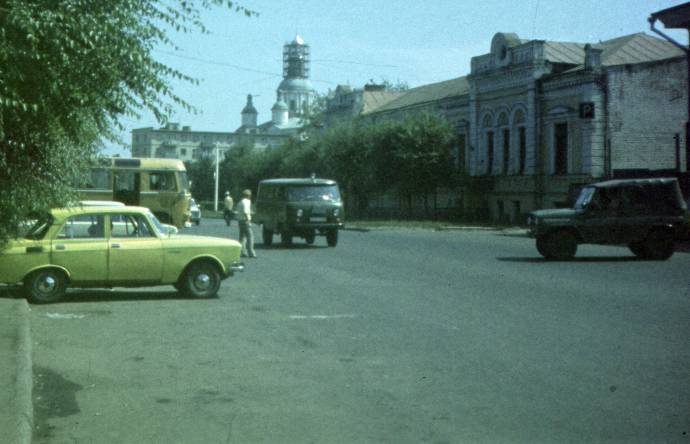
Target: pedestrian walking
[244,219]
[229,204]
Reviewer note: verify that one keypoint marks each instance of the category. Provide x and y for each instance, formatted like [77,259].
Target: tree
[70,70]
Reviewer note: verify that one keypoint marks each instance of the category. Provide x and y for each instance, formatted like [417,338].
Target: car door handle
[115,246]
[60,247]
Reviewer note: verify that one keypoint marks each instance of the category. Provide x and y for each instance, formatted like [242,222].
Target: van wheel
[267,236]
[332,238]
[45,286]
[310,237]
[559,245]
[286,239]
[659,245]
[200,280]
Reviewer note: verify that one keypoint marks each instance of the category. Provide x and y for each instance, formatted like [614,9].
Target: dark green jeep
[299,207]
[644,214]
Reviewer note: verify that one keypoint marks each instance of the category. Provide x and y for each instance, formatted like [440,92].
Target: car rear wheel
[659,245]
[200,280]
[332,238]
[45,286]
[267,236]
[559,245]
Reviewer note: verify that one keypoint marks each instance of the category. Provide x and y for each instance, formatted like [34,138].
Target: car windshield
[40,227]
[156,223]
[585,197]
[314,193]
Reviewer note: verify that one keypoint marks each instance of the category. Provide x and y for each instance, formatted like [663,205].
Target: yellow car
[116,246]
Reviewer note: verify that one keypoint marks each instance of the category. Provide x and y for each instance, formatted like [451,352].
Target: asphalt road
[393,336]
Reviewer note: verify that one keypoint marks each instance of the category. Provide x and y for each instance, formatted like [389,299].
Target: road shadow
[119,295]
[540,260]
[293,246]
[10,292]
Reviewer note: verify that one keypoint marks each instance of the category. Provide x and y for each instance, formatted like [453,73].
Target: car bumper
[235,267]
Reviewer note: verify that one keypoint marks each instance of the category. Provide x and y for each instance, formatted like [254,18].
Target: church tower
[249,114]
[296,90]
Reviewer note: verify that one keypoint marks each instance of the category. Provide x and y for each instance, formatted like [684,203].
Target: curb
[18,376]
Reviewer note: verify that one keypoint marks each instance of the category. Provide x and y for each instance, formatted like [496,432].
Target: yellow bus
[159,184]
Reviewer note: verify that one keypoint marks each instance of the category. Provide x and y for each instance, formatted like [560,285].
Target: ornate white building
[294,96]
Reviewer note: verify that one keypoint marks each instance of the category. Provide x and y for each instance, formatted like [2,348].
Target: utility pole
[216,175]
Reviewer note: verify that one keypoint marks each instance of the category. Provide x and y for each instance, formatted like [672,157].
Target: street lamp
[678,17]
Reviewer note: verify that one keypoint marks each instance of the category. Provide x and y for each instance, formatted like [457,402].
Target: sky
[356,41]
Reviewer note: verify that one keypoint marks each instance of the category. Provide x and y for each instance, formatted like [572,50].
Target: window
[561,149]
[83,227]
[522,149]
[519,145]
[162,181]
[489,151]
[97,178]
[506,150]
[488,142]
[130,225]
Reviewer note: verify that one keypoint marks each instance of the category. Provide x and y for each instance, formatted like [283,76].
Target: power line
[211,62]
[347,62]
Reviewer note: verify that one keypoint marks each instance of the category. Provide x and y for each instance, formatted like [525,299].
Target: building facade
[289,114]
[535,120]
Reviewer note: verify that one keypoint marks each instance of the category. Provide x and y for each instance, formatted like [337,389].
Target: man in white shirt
[244,219]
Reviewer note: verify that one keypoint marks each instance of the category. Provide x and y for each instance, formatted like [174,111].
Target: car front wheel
[559,245]
[45,286]
[201,280]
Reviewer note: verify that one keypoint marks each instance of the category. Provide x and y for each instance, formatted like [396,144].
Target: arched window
[488,142]
[504,131]
[520,141]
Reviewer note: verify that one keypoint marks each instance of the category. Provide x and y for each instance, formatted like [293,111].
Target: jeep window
[314,193]
[585,197]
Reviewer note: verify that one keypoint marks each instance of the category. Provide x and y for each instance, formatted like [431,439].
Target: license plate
[318,219]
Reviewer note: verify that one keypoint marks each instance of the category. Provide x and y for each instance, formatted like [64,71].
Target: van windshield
[314,193]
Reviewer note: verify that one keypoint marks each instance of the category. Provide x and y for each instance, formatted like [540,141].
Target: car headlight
[300,212]
[336,212]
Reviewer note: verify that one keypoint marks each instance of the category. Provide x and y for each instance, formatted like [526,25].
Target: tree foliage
[411,157]
[70,69]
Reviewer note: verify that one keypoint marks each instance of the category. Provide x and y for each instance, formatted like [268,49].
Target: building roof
[427,93]
[674,17]
[637,48]
[373,100]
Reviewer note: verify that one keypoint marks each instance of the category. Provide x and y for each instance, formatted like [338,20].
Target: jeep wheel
[559,245]
[638,249]
[267,236]
[332,238]
[45,286]
[659,245]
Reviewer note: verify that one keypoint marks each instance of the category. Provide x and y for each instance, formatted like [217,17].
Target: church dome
[279,106]
[295,85]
